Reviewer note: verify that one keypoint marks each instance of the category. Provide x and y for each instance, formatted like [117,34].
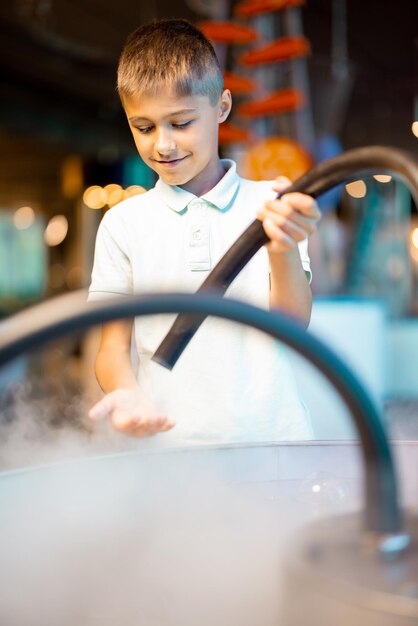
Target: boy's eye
[147,129]
[183,125]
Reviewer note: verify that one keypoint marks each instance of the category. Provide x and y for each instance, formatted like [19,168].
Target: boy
[170,237]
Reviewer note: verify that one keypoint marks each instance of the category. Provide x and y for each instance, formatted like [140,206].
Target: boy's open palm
[290,219]
[131,412]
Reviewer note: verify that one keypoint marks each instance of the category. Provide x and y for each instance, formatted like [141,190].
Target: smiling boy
[169,238]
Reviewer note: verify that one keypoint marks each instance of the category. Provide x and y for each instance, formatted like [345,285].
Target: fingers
[303,204]
[289,219]
[295,225]
[295,203]
[281,183]
[277,235]
[102,409]
[294,215]
[137,426]
[300,201]
[130,412]
[105,407]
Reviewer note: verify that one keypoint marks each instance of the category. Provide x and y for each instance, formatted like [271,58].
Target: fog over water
[108,530]
[41,430]
[153,539]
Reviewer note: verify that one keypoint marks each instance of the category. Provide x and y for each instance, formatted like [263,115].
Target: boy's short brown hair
[169,53]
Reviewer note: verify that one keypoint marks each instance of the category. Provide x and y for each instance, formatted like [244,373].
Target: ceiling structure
[58,61]
[58,64]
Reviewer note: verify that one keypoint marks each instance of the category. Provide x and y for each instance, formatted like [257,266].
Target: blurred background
[309,80]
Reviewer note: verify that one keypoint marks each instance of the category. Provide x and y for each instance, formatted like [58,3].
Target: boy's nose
[164,143]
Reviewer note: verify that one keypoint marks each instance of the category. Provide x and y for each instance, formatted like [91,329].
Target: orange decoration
[228,133]
[239,84]
[275,156]
[227,32]
[280,50]
[278,102]
[249,8]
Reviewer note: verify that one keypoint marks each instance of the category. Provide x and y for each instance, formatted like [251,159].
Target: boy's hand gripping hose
[349,166]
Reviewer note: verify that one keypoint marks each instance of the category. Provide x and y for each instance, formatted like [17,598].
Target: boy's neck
[206,180]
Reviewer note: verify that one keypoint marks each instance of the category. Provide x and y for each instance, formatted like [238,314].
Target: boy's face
[177,136]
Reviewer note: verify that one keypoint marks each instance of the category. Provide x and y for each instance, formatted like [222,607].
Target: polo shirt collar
[220,196]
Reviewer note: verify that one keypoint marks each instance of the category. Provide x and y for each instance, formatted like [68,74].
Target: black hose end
[175,342]
[171,349]
[164,362]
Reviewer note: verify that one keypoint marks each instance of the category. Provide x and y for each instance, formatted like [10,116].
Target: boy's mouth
[171,162]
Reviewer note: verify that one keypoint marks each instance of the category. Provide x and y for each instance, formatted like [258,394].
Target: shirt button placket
[199,238]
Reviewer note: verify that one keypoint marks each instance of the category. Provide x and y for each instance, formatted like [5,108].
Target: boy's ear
[225,105]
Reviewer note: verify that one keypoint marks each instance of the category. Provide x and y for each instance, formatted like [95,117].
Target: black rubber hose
[348,166]
[71,313]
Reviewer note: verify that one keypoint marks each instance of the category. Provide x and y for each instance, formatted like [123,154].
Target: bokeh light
[56,230]
[266,158]
[114,194]
[414,238]
[24,217]
[95,197]
[322,493]
[413,247]
[74,278]
[72,176]
[415,128]
[56,276]
[134,190]
[383,178]
[356,189]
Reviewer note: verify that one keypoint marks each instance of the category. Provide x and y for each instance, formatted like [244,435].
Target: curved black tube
[348,166]
[70,313]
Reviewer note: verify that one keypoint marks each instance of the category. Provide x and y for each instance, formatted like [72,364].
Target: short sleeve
[304,257]
[112,270]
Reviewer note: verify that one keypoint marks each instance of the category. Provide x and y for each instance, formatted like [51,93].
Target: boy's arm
[289,288]
[113,361]
[288,221]
[129,408]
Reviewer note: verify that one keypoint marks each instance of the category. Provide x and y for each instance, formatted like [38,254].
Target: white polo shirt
[232,383]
